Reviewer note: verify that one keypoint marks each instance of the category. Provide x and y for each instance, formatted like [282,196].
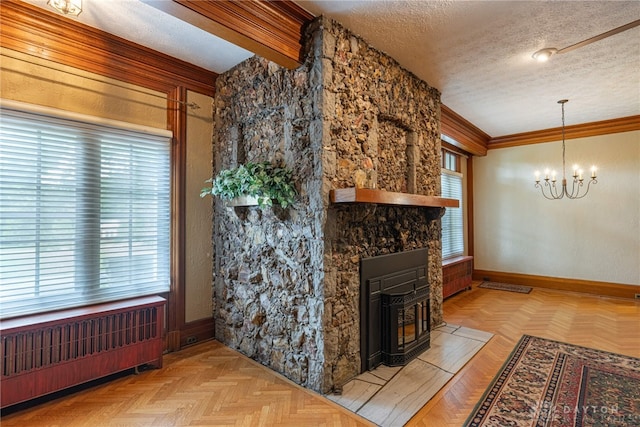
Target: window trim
[451,164]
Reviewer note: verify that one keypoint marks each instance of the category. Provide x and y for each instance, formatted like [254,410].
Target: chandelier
[552,191]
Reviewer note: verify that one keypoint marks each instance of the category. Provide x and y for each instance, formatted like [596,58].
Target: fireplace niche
[394,308]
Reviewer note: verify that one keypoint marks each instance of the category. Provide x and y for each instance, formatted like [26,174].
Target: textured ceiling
[477,53]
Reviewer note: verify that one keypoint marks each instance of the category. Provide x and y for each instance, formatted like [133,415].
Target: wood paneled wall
[46,35]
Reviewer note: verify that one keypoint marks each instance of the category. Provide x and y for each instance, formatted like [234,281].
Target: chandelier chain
[564,172]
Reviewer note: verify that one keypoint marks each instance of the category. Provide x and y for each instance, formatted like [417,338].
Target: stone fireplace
[287,281]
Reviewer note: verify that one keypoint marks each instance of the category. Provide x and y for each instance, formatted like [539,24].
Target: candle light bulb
[537,174]
[546,173]
[593,171]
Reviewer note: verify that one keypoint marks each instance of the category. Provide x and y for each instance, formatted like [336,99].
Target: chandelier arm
[554,194]
[538,185]
[563,190]
[592,180]
[575,190]
[542,190]
[557,194]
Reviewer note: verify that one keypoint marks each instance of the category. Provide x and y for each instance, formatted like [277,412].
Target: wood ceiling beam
[271,29]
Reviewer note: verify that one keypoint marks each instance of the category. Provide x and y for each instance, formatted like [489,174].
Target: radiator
[50,352]
[456,275]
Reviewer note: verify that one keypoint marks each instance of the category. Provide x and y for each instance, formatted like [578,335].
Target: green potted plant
[265,182]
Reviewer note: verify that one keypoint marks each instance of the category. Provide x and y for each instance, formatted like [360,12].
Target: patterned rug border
[497,384]
[505,287]
[510,360]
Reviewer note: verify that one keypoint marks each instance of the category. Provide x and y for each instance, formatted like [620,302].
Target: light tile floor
[390,396]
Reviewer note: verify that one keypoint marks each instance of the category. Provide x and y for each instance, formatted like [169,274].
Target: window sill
[456,260]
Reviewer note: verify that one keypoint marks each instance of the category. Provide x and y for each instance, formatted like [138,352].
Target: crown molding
[624,124]
[271,29]
[465,135]
[37,32]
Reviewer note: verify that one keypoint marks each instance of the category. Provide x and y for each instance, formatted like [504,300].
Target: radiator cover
[50,352]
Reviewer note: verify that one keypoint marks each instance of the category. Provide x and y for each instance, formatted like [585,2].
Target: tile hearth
[390,396]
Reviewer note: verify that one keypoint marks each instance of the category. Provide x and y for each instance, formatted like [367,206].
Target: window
[84,210]
[452,221]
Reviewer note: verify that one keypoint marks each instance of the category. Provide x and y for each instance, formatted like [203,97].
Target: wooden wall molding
[197,331]
[574,285]
[271,29]
[624,124]
[465,134]
[470,208]
[47,35]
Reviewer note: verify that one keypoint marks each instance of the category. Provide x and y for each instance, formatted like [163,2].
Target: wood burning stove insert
[405,326]
[394,308]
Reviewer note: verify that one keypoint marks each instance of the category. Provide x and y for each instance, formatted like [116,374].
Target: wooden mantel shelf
[367,195]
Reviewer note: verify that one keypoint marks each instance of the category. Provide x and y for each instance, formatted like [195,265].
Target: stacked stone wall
[268,294]
[384,130]
[287,281]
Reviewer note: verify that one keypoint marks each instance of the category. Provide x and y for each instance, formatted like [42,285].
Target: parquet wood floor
[204,385]
[210,385]
[608,324]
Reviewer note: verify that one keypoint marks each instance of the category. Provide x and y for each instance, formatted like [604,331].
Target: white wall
[596,238]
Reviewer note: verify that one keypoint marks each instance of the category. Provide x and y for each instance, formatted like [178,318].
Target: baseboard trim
[574,285]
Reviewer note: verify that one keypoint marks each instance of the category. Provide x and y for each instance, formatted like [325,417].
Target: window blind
[84,212]
[452,221]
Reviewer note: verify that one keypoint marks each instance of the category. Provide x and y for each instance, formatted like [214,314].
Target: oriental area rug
[547,383]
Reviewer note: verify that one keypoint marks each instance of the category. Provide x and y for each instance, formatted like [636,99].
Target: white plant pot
[243,201]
